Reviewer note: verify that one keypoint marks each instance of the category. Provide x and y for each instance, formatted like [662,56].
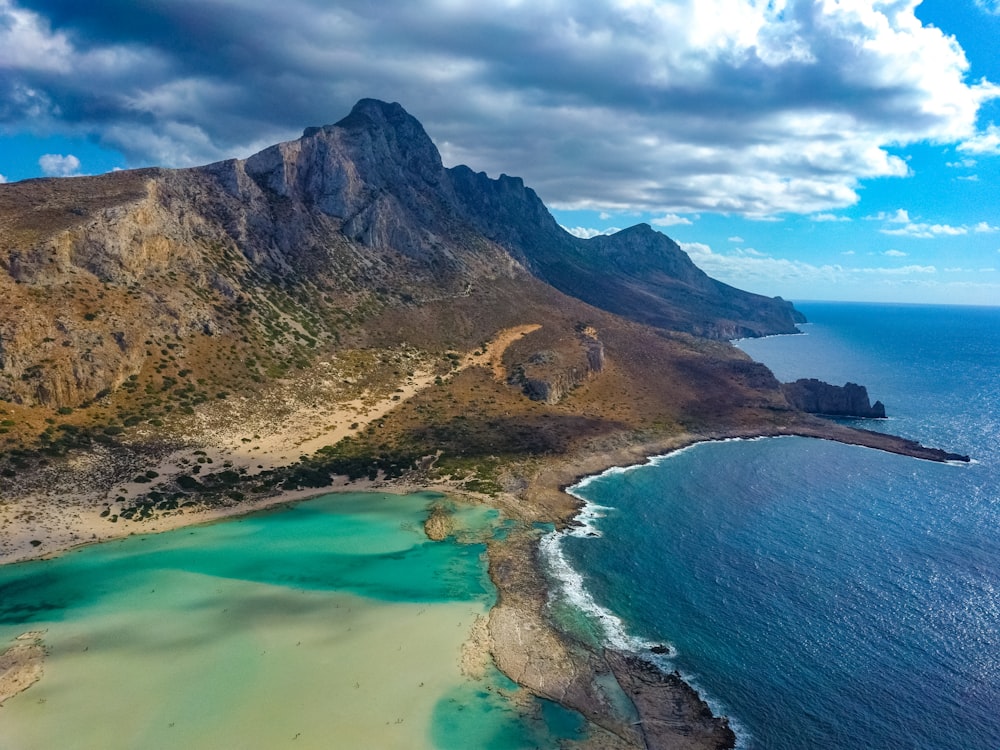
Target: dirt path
[492,357]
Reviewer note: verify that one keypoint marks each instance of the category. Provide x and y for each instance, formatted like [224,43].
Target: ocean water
[823,595]
[333,623]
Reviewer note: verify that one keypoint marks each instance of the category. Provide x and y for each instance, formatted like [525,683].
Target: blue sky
[816,149]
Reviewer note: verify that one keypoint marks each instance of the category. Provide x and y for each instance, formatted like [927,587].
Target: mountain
[347,220]
[639,273]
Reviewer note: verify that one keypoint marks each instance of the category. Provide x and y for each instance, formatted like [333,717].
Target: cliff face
[290,249]
[816,397]
[284,252]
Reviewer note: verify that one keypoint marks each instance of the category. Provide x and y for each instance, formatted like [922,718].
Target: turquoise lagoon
[332,623]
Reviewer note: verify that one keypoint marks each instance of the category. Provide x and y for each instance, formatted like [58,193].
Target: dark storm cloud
[733,105]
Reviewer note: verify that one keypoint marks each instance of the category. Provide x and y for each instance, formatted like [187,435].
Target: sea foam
[573,588]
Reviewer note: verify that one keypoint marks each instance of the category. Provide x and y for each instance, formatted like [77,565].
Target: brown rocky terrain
[181,343]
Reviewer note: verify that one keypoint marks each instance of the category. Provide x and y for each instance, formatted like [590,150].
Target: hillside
[289,251]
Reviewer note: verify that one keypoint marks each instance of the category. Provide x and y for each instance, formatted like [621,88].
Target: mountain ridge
[181,252]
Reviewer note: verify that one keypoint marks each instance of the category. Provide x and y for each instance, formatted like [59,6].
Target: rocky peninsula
[341,311]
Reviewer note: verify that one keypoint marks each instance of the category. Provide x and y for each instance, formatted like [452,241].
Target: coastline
[523,642]
[529,649]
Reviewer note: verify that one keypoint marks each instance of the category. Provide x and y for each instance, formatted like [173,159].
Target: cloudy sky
[817,149]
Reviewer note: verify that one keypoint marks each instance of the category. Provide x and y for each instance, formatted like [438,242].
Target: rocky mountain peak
[393,133]
[375,114]
[640,249]
[376,170]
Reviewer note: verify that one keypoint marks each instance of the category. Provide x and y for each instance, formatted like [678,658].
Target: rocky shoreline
[667,711]
[629,702]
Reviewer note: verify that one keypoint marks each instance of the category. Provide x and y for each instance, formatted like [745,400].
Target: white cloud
[57,165]
[899,216]
[848,252]
[969,178]
[671,107]
[757,269]
[2,179]
[895,253]
[986,142]
[801,280]
[926,231]
[27,42]
[990,6]
[669,220]
[828,217]
[736,239]
[902,271]
[962,164]
[586,233]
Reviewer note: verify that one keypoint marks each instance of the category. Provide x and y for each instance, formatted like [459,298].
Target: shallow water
[334,623]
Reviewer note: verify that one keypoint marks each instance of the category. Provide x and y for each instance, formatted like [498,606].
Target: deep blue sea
[824,595]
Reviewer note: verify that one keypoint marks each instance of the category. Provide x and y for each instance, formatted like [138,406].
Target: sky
[813,149]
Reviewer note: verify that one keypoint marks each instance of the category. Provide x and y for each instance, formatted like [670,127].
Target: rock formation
[816,397]
[550,374]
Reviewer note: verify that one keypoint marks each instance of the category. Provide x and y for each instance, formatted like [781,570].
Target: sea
[821,595]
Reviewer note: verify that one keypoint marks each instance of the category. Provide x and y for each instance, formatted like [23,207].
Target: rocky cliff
[285,252]
[816,397]
[551,373]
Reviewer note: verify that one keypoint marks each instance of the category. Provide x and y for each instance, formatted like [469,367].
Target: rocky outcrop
[549,375]
[816,397]
[21,665]
[672,715]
